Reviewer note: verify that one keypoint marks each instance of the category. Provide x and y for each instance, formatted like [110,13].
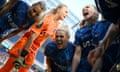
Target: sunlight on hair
[65,28]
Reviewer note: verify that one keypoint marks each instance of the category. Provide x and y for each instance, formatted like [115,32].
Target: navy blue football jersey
[15,18]
[61,59]
[99,30]
[83,38]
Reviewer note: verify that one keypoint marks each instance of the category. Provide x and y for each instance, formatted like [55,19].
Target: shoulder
[48,18]
[97,24]
[70,45]
[102,24]
[22,2]
[78,31]
[21,5]
[51,45]
[84,29]
[50,48]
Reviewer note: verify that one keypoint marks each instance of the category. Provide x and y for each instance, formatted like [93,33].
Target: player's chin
[63,17]
[59,43]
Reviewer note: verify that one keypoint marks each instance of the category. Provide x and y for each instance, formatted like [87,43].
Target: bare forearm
[76,59]
[112,33]
[48,61]
[49,68]
[75,63]
[30,40]
[98,65]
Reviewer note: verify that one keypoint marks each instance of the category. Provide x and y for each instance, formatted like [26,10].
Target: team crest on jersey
[87,43]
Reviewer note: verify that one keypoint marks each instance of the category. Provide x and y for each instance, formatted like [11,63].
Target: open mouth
[59,42]
[64,16]
[85,14]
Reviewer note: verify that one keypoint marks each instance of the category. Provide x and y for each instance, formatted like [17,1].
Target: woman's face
[34,11]
[89,11]
[61,39]
[62,13]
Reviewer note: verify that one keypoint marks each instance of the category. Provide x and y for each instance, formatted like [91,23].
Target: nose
[58,38]
[84,9]
[66,14]
[33,14]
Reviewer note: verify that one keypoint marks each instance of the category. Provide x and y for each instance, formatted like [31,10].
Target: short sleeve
[77,38]
[19,13]
[49,49]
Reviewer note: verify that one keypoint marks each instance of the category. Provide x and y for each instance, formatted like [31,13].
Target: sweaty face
[63,12]
[34,11]
[61,39]
[88,11]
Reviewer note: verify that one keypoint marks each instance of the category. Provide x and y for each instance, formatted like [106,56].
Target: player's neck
[55,17]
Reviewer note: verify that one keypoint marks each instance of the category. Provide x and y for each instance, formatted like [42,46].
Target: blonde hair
[64,28]
[54,11]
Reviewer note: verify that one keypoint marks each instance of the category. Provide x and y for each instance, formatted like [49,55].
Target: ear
[96,11]
[58,10]
[68,37]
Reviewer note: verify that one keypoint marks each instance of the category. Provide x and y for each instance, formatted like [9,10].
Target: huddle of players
[91,40]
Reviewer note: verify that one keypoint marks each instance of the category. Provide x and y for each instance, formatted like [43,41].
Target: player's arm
[30,40]
[20,60]
[28,44]
[76,58]
[48,61]
[7,7]
[113,31]
[98,65]
[11,34]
